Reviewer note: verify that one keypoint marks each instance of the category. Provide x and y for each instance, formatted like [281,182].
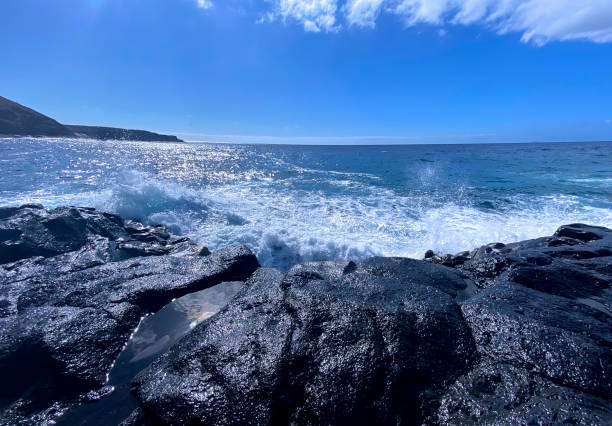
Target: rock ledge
[507,334]
[74,284]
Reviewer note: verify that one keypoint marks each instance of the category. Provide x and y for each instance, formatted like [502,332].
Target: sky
[317,71]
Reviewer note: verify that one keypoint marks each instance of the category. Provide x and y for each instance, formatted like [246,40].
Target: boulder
[330,343]
[543,329]
[31,231]
[564,340]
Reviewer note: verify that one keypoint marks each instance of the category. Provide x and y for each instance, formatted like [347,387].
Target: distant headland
[18,120]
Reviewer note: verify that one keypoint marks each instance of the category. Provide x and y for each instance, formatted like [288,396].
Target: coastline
[531,316]
[19,121]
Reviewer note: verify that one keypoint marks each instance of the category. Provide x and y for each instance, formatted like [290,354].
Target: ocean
[295,204]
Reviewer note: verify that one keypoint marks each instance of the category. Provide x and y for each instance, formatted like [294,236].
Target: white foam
[603,181]
[284,225]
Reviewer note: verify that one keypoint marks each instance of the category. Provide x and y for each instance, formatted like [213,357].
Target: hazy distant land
[18,120]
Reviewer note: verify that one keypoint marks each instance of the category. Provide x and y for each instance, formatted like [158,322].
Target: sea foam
[285,227]
[325,209]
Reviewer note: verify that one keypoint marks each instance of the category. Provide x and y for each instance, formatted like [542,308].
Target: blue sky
[317,71]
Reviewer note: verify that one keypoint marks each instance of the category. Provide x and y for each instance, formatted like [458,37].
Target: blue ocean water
[299,203]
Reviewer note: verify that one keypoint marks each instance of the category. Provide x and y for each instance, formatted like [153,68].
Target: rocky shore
[74,284]
[515,333]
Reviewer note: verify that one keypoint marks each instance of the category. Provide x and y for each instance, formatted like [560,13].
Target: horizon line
[217,142]
[481,138]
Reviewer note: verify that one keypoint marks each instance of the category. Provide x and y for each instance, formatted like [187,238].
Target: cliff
[18,120]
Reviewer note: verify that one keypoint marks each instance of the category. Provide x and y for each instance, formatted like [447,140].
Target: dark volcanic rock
[411,271]
[543,329]
[561,339]
[74,283]
[568,244]
[516,333]
[327,343]
[402,341]
[503,394]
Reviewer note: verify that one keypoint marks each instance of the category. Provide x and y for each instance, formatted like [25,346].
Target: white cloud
[205,4]
[362,13]
[542,21]
[314,15]
[422,11]
[539,21]
[266,17]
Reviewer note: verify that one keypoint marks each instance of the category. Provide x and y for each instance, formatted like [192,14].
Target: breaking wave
[285,227]
[289,214]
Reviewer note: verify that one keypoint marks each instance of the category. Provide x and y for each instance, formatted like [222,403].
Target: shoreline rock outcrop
[74,284]
[317,345]
[507,334]
[516,333]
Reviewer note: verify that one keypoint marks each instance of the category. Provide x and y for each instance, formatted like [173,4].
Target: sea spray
[297,204]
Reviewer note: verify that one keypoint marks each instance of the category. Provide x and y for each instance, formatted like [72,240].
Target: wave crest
[285,225]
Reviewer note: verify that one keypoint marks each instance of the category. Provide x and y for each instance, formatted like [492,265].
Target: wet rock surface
[515,333]
[543,328]
[74,284]
[504,394]
[317,345]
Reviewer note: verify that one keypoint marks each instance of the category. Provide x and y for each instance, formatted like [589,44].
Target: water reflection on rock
[155,335]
